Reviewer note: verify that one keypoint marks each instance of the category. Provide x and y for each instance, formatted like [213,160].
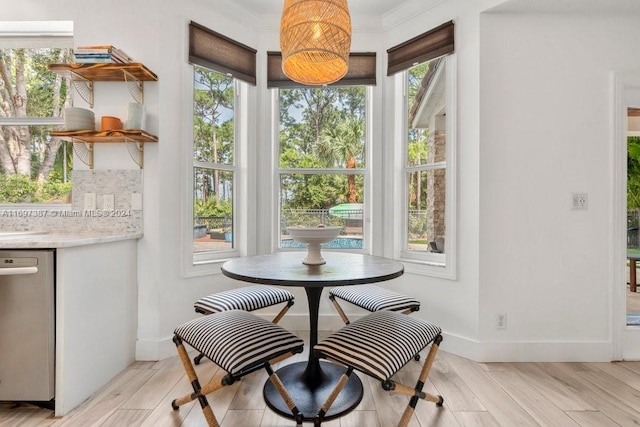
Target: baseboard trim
[478,351]
[527,351]
[155,350]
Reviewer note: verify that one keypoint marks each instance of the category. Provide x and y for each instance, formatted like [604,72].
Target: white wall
[452,304]
[166,294]
[545,134]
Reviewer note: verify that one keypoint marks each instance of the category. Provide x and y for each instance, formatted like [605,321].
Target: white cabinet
[96,318]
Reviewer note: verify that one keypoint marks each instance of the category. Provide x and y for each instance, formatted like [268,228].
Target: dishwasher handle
[14,271]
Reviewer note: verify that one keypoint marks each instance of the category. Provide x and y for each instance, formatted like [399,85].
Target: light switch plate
[580,201]
[89,201]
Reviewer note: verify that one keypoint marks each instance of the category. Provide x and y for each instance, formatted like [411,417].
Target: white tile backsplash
[75,219]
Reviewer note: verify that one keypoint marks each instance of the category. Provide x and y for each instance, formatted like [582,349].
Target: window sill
[203,264]
[430,268]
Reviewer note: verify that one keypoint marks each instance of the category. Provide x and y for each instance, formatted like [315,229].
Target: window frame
[431,264]
[219,53]
[199,263]
[366,173]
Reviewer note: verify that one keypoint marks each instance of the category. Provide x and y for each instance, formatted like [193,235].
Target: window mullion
[304,171]
[429,166]
[209,165]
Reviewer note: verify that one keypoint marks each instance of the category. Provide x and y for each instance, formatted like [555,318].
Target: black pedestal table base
[310,397]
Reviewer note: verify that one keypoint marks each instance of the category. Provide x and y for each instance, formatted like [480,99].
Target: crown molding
[360,23]
[407,11]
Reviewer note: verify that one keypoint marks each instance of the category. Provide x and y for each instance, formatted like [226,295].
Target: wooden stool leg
[344,317]
[275,379]
[332,397]
[282,312]
[195,383]
[417,392]
[632,275]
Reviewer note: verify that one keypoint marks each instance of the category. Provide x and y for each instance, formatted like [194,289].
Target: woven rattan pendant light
[315,39]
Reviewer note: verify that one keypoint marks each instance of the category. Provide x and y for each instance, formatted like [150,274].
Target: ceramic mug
[137,116]
[111,123]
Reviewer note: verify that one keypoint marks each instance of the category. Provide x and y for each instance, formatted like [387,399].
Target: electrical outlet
[108,202]
[580,201]
[501,321]
[89,201]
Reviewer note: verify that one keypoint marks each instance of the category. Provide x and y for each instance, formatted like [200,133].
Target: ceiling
[356,7]
[612,7]
[376,14]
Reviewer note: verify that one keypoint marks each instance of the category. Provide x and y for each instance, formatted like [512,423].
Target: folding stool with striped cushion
[372,298]
[240,343]
[378,345]
[248,298]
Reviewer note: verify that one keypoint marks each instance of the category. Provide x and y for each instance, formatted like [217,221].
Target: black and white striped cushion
[374,298]
[378,344]
[247,298]
[237,340]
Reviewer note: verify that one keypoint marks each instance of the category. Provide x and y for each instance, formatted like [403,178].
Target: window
[322,161]
[34,168]
[426,159]
[213,160]
[426,67]
[322,151]
[220,66]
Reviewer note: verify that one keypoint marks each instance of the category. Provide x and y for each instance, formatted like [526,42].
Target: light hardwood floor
[476,394]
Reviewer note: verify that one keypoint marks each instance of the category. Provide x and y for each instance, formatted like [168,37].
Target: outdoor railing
[214,222]
[309,218]
[351,218]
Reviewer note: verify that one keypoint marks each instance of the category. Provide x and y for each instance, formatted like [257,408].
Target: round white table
[310,382]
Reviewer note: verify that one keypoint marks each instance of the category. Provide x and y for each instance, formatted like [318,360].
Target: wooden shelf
[83,76]
[106,72]
[119,135]
[85,139]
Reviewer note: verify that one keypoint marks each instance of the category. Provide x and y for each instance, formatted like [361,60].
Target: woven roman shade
[217,52]
[315,39]
[427,46]
[362,71]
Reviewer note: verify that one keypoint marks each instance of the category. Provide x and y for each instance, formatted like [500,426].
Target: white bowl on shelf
[314,237]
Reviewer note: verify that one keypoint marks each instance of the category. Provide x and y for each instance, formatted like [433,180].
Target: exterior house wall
[436,180]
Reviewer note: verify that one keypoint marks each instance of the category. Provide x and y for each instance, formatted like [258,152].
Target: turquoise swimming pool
[339,243]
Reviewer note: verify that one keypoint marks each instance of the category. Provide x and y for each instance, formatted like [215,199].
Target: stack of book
[95,54]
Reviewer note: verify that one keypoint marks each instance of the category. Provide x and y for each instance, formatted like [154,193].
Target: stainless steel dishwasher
[27,325]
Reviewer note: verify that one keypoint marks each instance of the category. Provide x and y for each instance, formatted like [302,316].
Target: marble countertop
[35,240]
